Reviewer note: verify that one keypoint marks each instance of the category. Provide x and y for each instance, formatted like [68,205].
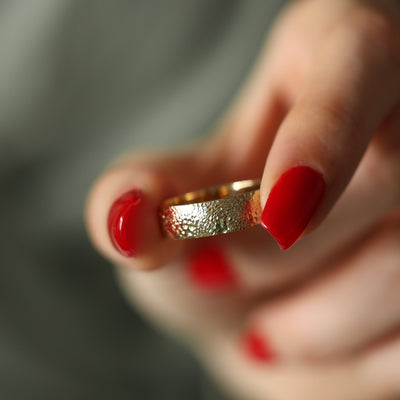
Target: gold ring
[212,211]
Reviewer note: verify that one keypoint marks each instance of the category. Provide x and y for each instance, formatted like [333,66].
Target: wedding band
[212,211]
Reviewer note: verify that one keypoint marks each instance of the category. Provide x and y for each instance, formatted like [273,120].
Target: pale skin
[325,92]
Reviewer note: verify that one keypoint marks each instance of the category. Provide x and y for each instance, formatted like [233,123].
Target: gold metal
[212,211]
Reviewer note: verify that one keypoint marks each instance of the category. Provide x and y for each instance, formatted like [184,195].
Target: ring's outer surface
[212,211]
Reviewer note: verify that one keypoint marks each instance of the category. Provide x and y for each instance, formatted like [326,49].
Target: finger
[351,89]
[380,364]
[373,375]
[340,312]
[121,215]
[209,325]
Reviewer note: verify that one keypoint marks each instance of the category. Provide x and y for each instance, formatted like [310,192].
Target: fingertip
[122,218]
[257,347]
[210,269]
[292,203]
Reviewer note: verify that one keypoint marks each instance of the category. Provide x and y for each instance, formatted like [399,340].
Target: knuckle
[389,180]
[372,23]
[338,114]
[394,239]
[384,167]
[375,30]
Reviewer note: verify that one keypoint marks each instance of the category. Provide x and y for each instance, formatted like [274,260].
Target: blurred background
[80,82]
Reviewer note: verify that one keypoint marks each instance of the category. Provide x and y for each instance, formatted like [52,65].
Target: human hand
[320,320]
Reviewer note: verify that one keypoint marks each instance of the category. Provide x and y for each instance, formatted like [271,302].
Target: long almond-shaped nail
[257,348]
[125,223]
[292,203]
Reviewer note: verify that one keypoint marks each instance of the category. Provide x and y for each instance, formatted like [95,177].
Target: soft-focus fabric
[81,81]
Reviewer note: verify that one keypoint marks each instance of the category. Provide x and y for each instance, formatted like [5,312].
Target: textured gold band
[212,211]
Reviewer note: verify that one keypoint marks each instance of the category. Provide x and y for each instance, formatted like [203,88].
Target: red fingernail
[125,223]
[292,203]
[257,348]
[209,269]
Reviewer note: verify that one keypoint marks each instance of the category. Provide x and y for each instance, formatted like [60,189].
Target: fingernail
[209,268]
[125,223]
[257,348]
[291,204]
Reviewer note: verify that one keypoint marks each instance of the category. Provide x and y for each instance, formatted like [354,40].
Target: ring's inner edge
[213,193]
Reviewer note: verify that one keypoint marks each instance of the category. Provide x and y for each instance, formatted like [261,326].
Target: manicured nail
[125,223]
[291,204]
[209,268]
[257,348]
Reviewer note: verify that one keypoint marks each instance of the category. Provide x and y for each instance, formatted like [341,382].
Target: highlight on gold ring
[212,211]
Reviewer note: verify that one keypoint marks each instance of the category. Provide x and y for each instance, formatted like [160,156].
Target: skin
[325,92]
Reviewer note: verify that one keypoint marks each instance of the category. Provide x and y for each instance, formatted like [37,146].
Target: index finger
[352,88]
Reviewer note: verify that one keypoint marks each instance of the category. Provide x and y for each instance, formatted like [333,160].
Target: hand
[317,321]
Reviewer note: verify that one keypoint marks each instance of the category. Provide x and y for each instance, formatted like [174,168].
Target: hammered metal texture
[235,212]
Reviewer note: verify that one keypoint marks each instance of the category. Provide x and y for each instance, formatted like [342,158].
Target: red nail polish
[257,348]
[125,223]
[209,269]
[291,204]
